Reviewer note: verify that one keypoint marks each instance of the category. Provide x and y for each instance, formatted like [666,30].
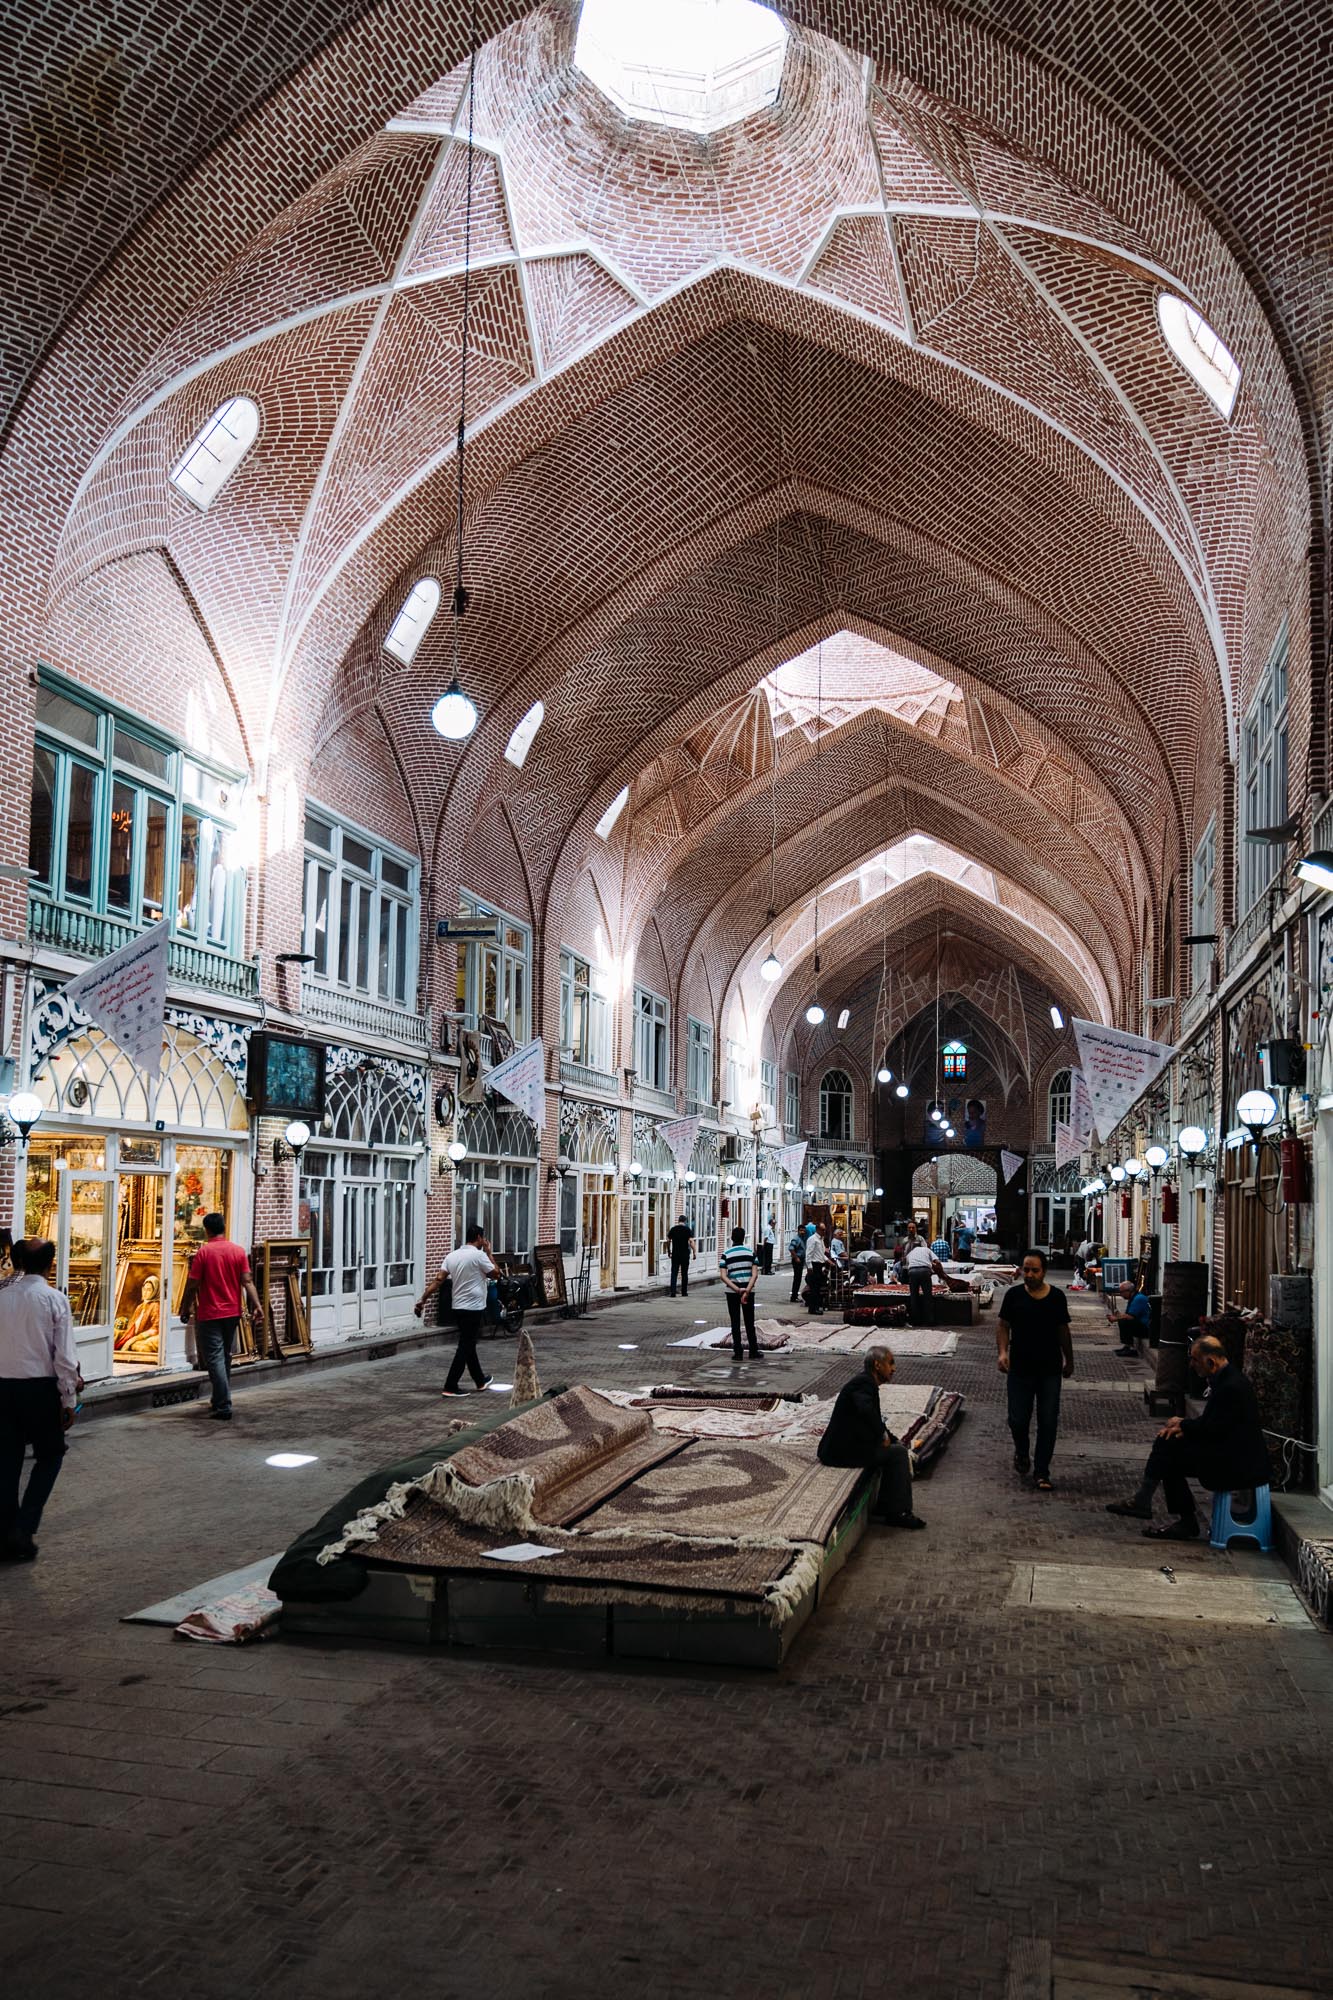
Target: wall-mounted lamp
[1317,868]
[878,1193]
[1118,1175]
[23,1110]
[292,1143]
[1155,1158]
[1256,1111]
[1133,1167]
[633,1173]
[455,1152]
[1192,1141]
[563,1165]
[690,1177]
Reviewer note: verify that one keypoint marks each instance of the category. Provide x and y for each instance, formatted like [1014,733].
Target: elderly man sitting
[1223,1449]
[858,1435]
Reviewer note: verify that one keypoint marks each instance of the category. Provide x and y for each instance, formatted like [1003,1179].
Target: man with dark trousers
[680,1237]
[856,1434]
[1223,1449]
[740,1269]
[796,1251]
[39,1388]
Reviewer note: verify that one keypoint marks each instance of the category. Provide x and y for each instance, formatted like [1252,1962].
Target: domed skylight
[700,64]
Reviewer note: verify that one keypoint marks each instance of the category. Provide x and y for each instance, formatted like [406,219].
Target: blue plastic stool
[1246,1513]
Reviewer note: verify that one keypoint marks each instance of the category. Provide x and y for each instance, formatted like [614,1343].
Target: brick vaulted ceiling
[882,362]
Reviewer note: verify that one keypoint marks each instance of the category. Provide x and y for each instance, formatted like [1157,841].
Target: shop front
[361,1197]
[646,1207]
[1059,1210]
[701,1196]
[589,1224]
[841,1186]
[120,1172]
[497,1182]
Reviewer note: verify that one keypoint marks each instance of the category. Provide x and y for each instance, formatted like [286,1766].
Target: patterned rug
[834,1336]
[760,1417]
[577,1449]
[427,1538]
[740,1489]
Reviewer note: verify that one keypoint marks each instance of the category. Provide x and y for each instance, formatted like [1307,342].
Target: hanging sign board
[1117,1067]
[463,930]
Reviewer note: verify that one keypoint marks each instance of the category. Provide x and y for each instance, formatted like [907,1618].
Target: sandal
[1043,1483]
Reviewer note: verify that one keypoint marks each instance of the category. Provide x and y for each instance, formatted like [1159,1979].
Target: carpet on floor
[740,1489]
[833,1336]
[576,1449]
[429,1539]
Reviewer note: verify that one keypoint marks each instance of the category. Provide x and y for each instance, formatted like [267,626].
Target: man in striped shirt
[740,1268]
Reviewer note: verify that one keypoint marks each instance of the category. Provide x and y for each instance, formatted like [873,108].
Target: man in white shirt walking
[39,1387]
[469,1270]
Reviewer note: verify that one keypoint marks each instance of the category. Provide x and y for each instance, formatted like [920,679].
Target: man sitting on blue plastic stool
[1135,1322]
[1223,1449]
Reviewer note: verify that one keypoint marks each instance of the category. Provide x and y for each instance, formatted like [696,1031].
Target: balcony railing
[85,935]
[584,1077]
[335,1009]
[654,1099]
[699,1107]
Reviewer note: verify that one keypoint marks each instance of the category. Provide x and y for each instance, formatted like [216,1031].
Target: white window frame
[1200,350]
[733,1084]
[1263,778]
[1203,917]
[768,1090]
[791,1103]
[392,909]
[512,953]
[652,1039]
[844,1095]
[699,1064]
[409,628]
[201,472]
[585,1018]
[1059,1100]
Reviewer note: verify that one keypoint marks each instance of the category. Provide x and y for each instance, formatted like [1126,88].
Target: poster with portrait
[974,1121]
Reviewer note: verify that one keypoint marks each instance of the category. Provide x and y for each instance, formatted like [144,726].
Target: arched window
[1200,351]
[1169,942]
[519,744]
[955,1061]
[1058,1103]
[217,451]
[409,627]
[835,1106]
[612,814]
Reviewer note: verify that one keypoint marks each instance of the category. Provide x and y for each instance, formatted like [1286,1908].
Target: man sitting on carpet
[1223,1449]
[857,1434]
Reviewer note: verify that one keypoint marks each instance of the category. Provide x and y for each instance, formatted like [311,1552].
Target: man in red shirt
[220,1281]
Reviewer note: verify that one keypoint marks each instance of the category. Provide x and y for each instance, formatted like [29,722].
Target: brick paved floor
[932,1776]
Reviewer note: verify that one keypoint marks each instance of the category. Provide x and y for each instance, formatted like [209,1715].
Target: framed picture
[286,1075]
[549,1274]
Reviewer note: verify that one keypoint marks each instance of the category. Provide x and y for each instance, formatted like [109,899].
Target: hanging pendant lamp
[454,715]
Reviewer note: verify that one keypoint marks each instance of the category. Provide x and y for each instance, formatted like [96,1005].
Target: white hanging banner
[1080,1108]
[1067,1147]
[522,1079]
[1117,1067]
[1009,1163]
[792,1159]
[126,995]
[680,1136]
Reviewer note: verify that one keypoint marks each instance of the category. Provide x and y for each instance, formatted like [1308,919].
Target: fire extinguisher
[1295,1171]
[1126,1207]
[1170,1204]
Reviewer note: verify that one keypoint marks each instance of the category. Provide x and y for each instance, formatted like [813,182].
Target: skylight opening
[700,64]
[844,1017]
[217,451]
[1200,351]
[409,627]
[519,744]
[612,814]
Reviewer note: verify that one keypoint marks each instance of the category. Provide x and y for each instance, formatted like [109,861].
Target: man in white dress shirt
[39,1387]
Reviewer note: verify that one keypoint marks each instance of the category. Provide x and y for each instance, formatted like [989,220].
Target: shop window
[409,627]
[1058,1102]
[519,744]
[1200,351]
[791,1104]
[217,451]
[495,975]
[124,826]
[835,1107]
[1263,778]
[652,1039]
[1204,904]
[698,1064]
[497,1184]
[585,1018]
[360,912]
[954,1056]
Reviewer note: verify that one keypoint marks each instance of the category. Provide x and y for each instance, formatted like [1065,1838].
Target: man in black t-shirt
[681,1239]
[1035,1352]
